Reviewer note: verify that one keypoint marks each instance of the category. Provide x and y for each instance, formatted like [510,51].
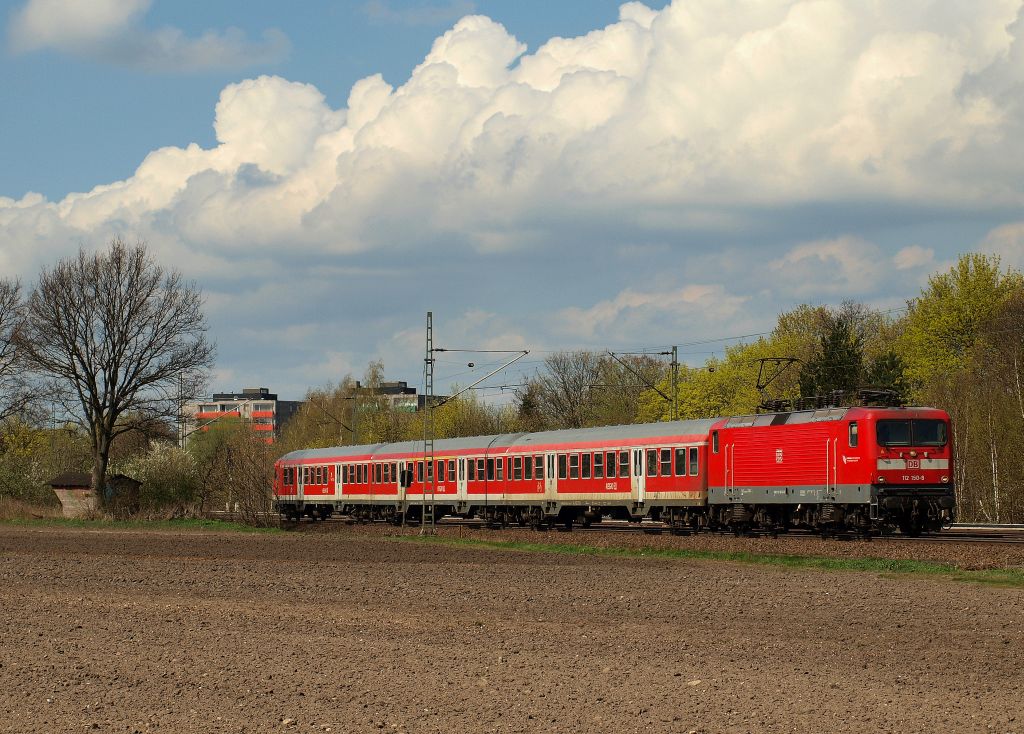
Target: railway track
[958,533]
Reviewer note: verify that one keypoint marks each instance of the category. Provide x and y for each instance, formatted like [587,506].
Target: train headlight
[945,479]
[881,480]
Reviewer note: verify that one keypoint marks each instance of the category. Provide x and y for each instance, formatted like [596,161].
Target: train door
[300,485]
[550,477]
[639,485]
[462,488]
[729,459]
[831,468]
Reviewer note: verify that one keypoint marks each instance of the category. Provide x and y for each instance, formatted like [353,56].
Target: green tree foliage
[943,323]
[838,361]
[170,477]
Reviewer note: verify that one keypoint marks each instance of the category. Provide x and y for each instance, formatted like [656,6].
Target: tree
[838,361]
[563,388]
[14,387]
[943,323]
[118,336]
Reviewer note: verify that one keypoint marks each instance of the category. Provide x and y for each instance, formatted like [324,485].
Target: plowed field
[209,632]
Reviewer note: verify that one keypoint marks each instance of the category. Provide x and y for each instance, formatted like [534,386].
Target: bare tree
[121,338]
[563,388]
[14,386]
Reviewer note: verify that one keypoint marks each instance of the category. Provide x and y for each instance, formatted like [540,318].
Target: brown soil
[193,632]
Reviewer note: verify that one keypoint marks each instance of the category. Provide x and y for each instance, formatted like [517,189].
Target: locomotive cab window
[714,441]
[853,434]
[916,432]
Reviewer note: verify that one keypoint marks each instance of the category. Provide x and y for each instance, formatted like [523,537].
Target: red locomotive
[860,469]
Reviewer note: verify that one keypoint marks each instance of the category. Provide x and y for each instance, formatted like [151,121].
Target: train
[858,469]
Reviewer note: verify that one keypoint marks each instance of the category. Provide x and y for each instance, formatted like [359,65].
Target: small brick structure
[77,499]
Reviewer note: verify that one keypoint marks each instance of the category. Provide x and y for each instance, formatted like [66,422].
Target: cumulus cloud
[1007,241]
[686,131]
[634,312]
[111,31]
[914,256]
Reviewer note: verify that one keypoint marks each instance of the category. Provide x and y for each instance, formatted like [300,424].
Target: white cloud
[1007,241]
[914,257]
[696,132]
[632,313]
[830,267]
[112,31]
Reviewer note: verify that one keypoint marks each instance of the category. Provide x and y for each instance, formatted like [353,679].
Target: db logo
[913,463]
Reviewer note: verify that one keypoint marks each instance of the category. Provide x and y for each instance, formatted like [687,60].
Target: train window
[419,472]
[574,466]
[440,470]
[623,464]
[893,433]
[387,474]
[666,462]
[598,465]
[394,472]
[527,467]
[480,470]
[694,461]
[714,441]
[585,466]
[610,463]
[853,434]
[499,466]
[462,469]
[430,472]
[451,470]
[517,468]
[538,467]
[563,466]
[490,470]
[652,462]
[305,475]
[378,473]
[929,432]
[472,470]
[680,462]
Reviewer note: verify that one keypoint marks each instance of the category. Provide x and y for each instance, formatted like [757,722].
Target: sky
[541,176]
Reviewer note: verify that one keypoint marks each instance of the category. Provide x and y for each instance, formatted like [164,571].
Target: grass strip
[186,524]
[1010,577]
